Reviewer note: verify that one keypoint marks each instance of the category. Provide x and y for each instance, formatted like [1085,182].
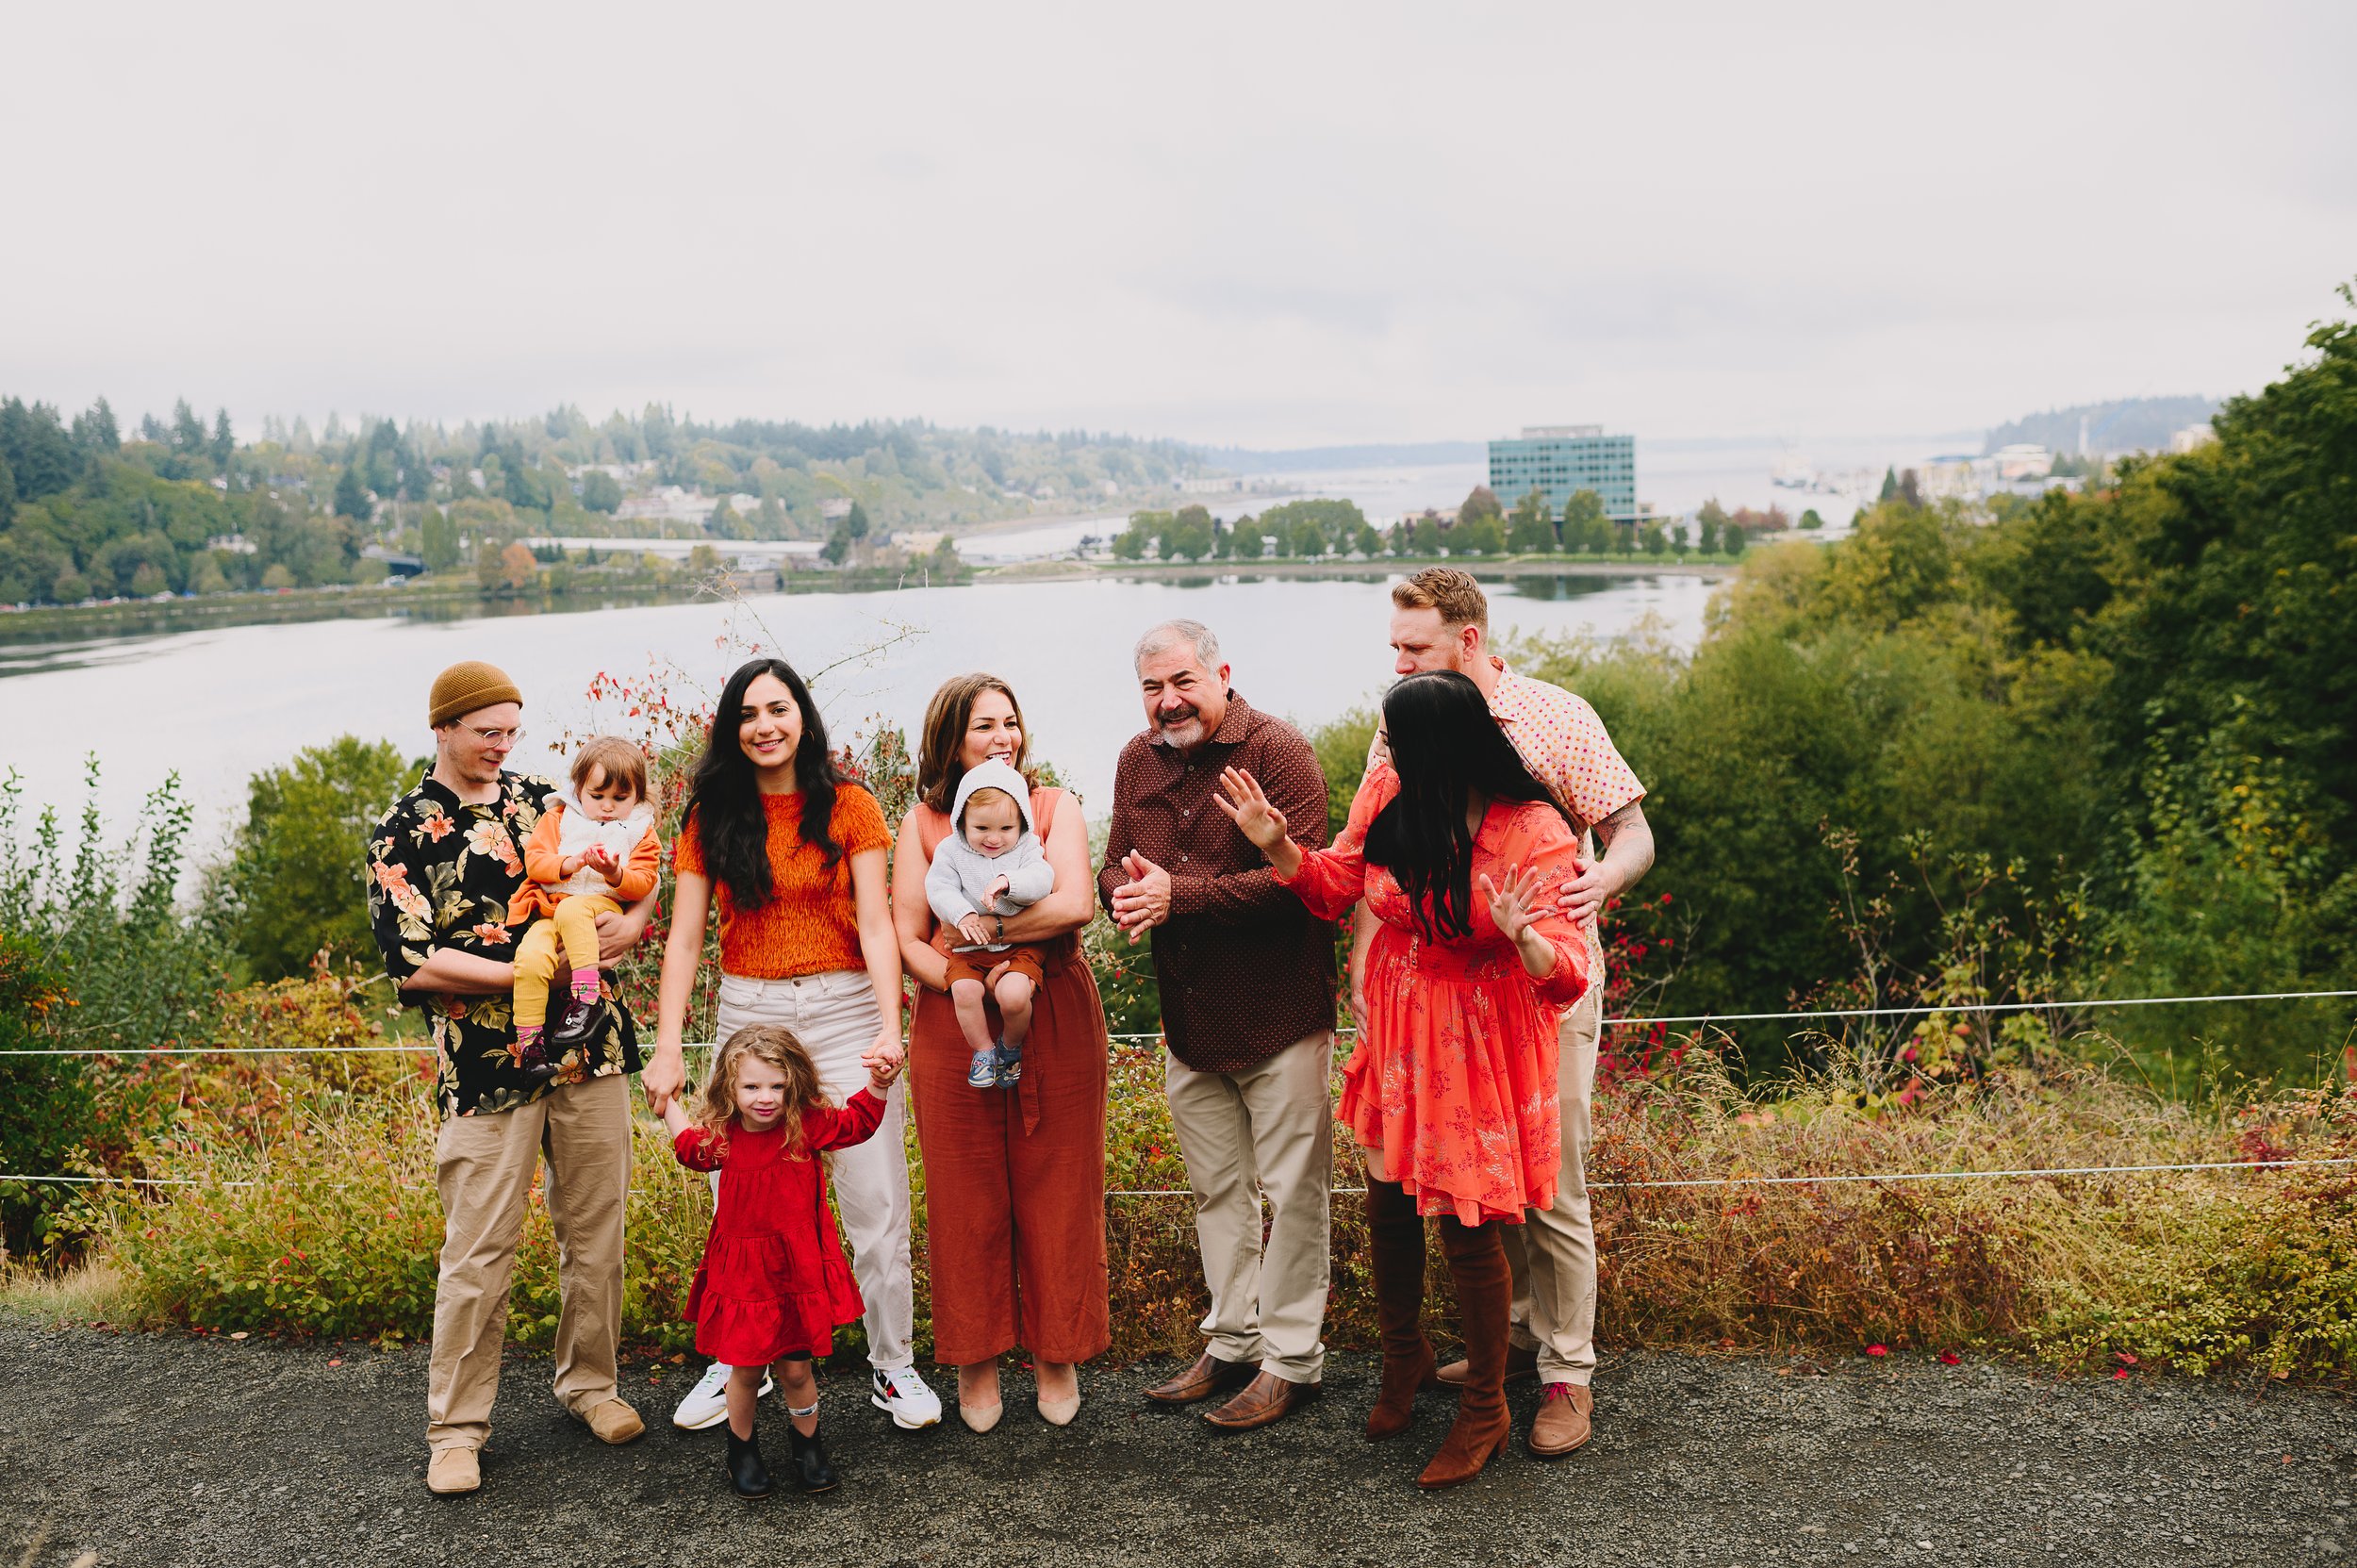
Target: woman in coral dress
[1457,851]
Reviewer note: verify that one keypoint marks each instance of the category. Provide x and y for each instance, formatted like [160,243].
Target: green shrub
[292,886]
[44,1101]
[107,921]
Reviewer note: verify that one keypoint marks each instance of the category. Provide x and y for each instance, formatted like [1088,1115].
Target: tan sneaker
[614,1421]
[1563,1422]
[451,1471]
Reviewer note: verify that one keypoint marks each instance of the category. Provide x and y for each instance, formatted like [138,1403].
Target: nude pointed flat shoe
[981,1418]
[1058,1412]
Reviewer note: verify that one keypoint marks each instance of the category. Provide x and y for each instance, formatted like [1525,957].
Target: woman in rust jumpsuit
[1014,1178]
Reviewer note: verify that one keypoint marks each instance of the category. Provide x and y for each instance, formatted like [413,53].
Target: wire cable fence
[422,1048]
[1737,1180]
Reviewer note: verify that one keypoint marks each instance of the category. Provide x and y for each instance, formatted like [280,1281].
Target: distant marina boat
[1792,473]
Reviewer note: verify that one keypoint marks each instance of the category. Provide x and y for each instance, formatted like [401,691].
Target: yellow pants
[573,930]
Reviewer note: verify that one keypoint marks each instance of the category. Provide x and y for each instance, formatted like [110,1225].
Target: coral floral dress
[773,1281]
[1454,1078]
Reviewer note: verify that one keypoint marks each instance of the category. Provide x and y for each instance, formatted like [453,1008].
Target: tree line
[1312,530]
[181,505]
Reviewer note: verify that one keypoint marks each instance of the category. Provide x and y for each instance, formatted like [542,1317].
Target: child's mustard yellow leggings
[573,929]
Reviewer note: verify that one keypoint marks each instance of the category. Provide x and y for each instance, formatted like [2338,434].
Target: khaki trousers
[834,1016]
[1267,1130]
[483,1166]
[1553,1256]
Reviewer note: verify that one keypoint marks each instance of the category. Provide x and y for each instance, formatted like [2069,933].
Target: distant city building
[677,504]
[1948,478]
[2022,460]
[2191,436]
[1558,460]
[2017,470]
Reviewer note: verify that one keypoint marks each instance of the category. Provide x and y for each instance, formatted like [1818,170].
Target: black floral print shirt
[440,873]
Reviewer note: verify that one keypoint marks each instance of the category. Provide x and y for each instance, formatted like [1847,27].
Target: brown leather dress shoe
[1265,1400]
[1207,1377]
[1521,1366]
[1563,1422]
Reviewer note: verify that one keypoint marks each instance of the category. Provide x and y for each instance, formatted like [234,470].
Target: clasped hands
[1142,902]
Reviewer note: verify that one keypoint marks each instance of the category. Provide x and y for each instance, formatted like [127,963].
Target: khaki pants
[483,1166]
[1266,1129]
[1553,1256]
[834,1016]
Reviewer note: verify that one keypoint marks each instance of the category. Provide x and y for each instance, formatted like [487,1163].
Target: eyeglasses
[496,737]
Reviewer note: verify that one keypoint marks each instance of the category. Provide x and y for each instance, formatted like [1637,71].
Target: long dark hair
[725,798]
[1444,745]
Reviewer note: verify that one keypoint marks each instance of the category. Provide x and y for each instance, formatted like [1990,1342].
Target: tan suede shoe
[614,1421]
[1563,1422]
[1521,1366]
[451,1471]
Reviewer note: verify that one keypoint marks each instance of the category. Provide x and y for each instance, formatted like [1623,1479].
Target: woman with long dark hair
[1452,1093]
[1015,1178]
[793,854]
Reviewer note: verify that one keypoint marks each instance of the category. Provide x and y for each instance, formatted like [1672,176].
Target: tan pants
[1267,1130]
[483,1166]
[1553,1256]
[570,932]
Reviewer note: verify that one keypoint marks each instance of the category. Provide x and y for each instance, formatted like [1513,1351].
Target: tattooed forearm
[1626,839]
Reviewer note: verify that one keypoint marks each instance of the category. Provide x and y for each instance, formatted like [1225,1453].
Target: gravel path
[163,1450]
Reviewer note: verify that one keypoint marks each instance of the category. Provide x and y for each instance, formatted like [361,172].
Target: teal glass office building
[1557,459]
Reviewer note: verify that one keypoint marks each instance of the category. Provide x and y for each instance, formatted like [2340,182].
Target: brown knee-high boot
[1485,1295]
[1396,1233]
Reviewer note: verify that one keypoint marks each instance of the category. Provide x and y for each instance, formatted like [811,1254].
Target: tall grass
[337,1232]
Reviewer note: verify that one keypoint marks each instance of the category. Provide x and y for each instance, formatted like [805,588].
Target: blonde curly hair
[776,1046]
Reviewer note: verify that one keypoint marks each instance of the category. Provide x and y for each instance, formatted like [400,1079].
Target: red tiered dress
[1454,1078]
[774,1281]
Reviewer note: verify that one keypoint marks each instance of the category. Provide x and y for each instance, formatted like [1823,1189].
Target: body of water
[216,705]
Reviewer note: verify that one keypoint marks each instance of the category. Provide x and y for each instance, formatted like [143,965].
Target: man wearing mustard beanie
[441,868]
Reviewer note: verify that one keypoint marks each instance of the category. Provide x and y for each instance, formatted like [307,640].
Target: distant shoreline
[465,599]
[1505,566]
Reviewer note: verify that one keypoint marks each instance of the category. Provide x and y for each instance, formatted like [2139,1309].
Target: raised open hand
[1517,903]
[1252,811]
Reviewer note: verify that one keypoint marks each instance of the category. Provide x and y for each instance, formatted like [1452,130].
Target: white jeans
[834,1016]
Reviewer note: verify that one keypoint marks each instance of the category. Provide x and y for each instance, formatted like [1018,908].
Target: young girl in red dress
[773,1282]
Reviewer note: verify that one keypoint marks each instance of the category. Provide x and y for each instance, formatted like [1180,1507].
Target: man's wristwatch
[1002,928]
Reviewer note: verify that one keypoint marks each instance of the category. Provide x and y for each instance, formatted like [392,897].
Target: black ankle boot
[812,1465]
[747,1473]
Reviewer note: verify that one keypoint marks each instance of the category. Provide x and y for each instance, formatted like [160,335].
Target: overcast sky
[1263,223]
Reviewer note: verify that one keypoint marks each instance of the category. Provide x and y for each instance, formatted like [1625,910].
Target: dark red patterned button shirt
[1244,968]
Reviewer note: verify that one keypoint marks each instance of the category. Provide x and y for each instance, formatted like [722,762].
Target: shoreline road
[150,1449]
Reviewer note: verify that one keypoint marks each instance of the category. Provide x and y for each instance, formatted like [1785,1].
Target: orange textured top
[809,926]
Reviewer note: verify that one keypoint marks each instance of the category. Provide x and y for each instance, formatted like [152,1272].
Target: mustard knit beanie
[466,686]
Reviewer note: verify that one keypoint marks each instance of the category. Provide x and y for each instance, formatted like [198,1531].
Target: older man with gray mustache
[1246,978]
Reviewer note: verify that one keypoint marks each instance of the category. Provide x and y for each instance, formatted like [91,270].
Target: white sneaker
[707,1403]
[899,1390]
